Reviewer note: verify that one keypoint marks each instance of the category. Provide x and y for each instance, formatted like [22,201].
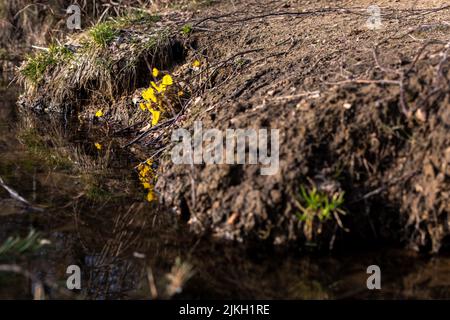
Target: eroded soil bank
[362,113]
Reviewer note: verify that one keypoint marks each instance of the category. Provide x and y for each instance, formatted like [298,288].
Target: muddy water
[127,249]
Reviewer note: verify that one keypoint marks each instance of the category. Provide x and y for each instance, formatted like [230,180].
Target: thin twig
[18,197]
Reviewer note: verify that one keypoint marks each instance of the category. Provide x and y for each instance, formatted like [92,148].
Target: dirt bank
[362,114]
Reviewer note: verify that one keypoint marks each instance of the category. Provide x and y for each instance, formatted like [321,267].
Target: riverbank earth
[363,116]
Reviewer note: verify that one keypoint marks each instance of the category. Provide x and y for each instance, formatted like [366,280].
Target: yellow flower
[151,196]
[98,146]
[155,116]
[155,72]
[147,177]
[143,171]
[99,114]
[149,95]
[160,88]
[146,185]
[196,64]
[167,80]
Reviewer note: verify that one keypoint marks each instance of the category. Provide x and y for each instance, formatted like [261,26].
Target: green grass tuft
[186,29]
[103,33]
[317,204]
[18,245]
[316,208]
[35,66]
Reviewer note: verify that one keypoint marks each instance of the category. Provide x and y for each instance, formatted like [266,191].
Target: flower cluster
[147,177]
[154,95]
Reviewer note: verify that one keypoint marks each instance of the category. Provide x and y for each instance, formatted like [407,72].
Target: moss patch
[36,66]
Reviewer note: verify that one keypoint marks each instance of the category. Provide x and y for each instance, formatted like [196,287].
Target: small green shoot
[186,29]
[18,245]
[317,207]
[317,204]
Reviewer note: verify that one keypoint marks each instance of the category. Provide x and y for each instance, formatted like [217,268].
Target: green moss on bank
[36,66]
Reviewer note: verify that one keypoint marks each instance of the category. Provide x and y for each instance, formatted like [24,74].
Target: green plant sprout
[18,245]
[318,204]
[103,33]
[317,207]
[186,29]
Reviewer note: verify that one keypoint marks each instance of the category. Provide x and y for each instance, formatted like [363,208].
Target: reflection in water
[94,216]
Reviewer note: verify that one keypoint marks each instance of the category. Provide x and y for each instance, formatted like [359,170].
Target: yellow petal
[149,95]
[157,88]
[98,146]
[155,72]
[142,106]
[167,80]
[196,64]
[146,185]
[151,196]
[155,116]
[99,113]
[180,93]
